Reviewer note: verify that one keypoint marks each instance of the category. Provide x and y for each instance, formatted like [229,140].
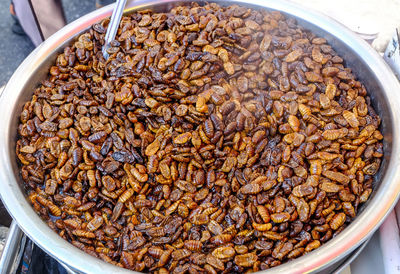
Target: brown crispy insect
[349,209]
[51,187]
[280,217]
[214,227]
[304,110]
[165,169]
[209,268]
[351,118]
[316,167]
[330,187]
[180,254]
[265,216]
[221,239]
[294,123]
[258,136]
[209,128]
[83,233]
[193,245]
[337,221]
[364,196]
[172,208]
[333,134]
[126,195]
[95,223]
[229,68]
[262,227]
[312,245]
[296,253]
[294,55]
[200,219]
[336,176]
[140,176]
[246,260]
[215,262]
[164,258]
[250,189]
[155,232]
[182,138]
[302,190]
[330,91]
[183,210]
[156,252]
[152,148]
[325,101]
[224,252]
[55,210]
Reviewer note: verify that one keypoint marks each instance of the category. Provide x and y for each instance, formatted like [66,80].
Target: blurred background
[14,48]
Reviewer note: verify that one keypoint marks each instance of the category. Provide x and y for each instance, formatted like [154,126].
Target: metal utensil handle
[113,26]
[13,249]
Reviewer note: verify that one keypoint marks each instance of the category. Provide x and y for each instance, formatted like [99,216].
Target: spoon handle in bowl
[113,26]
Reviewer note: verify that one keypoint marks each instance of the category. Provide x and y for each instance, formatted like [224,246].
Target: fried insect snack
[214,139]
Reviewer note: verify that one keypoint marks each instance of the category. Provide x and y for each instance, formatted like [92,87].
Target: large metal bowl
[367,65]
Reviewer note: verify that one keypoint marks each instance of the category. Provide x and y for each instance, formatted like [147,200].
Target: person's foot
[16,27]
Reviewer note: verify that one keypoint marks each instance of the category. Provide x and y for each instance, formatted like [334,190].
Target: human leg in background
[39,18]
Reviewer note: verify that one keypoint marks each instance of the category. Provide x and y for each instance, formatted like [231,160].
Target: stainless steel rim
[363,227]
